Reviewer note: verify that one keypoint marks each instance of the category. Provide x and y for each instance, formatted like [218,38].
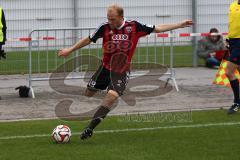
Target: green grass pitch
[197,135]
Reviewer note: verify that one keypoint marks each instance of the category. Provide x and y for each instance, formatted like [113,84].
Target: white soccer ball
[61,134]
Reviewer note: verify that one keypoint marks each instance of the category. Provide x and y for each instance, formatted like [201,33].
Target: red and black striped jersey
[119,44]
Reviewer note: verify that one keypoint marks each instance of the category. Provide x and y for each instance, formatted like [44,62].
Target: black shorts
[234,51]
[105,79]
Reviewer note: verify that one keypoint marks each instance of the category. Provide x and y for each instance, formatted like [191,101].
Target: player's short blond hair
[118,8]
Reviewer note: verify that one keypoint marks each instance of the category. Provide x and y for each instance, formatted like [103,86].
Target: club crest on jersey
[120,37]
[129,29]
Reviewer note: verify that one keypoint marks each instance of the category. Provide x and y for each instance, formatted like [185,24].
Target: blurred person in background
[212,49]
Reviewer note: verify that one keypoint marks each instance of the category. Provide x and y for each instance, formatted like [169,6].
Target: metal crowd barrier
[44,44]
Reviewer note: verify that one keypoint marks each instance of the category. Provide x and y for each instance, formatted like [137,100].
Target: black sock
[100,114]
[235,88]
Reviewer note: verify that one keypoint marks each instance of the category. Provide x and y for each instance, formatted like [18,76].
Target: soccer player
[234,59]
[120,37]
[3,32]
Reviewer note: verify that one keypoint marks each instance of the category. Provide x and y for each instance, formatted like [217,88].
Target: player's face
[114,19]
[214,38]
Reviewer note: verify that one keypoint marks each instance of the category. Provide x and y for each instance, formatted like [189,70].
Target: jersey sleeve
[144,29]
[98,33]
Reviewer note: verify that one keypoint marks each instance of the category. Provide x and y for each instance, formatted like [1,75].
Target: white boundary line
[131,130]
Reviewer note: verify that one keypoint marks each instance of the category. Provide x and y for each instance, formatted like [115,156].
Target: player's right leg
[99,81]
[233,63]
[100,114]
[231,67]
[90,92]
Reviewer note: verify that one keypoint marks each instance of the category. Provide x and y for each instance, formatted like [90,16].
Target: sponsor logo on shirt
[120,37]
[129,29]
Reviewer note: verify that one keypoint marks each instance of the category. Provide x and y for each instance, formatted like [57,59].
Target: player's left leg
[100,114]
[116,88]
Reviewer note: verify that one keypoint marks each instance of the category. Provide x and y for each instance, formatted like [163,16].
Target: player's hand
[213,54]
[186,23]
[64,52]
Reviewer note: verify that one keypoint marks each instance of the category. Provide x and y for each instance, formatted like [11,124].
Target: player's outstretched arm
[168,27]
[67,51]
